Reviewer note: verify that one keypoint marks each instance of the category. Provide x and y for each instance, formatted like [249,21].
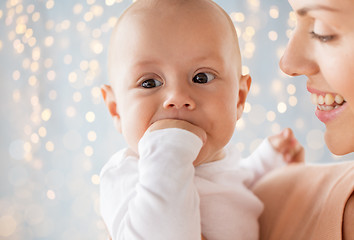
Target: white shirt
[161,195]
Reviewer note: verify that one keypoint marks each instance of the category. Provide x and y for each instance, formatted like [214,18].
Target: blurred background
[56,133]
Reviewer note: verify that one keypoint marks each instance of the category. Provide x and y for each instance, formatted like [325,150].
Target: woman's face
[322,48]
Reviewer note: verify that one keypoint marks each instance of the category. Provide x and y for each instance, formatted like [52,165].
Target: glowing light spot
[299,123]
[34,138]
[238,17]
[32,41]
[8,225]
[72,77]
[88,16]
[49,4]
[95,179]
[51,75]
[250,31]
[96,92]
[245,70]
[291,89]
[27,147]
[51,194]
[273,36]
[16,95]
[271,116]
[240,125]
[19,9]
[49,146]
[34,66]
[49,25]
[277,86]
[97,10]
[254,3]
[84,65]
[30,9]
[247,107]
[88,151]
[81,26]
[52,94]
[96,46]
[77,9]
[21,28]
[94,65]
[46,114]
[90,117]
[18,46]
[48,41]
[96,33]
[71,111]
[292,101]
[255,89]
[32,81]
[48,63]
[65,25]
[282,107]
[16,75]
[1,45]
[274,12]
[36,16]
[91,136]
[29,33]
[109,2]
[34,101]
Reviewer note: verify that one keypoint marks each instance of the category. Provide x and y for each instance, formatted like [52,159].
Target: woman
[317,202]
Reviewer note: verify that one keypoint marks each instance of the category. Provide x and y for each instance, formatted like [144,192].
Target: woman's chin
[338,145]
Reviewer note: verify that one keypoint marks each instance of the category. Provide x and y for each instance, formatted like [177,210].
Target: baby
[176,93]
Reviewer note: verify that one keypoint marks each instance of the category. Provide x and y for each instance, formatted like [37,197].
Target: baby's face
[169,65]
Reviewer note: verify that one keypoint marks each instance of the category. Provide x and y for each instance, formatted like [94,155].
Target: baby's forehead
[173,8]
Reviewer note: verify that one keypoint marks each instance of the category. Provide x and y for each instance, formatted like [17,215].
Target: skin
[321,48]
[142,54]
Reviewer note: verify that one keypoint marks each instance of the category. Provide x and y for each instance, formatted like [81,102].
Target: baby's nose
[179,99]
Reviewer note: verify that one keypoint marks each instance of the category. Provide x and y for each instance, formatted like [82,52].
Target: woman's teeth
[327,102]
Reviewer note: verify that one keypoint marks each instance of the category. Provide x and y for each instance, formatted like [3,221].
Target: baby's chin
[204,157]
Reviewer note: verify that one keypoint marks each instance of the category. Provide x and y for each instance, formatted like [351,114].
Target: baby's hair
[143,5]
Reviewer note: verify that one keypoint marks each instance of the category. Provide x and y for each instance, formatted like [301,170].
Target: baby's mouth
[328,101]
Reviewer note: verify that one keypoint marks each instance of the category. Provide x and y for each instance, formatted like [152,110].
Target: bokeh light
[57,133]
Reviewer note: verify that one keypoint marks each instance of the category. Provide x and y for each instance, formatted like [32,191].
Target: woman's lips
[328,113]
[329,105]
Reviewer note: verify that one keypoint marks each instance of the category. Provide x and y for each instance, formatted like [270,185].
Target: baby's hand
[174,123]
[286,144]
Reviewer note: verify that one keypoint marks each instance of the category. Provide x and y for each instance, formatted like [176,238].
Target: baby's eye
[203,78]
[151,83]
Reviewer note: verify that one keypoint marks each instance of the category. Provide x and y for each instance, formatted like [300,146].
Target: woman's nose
[179,98]
[298,58]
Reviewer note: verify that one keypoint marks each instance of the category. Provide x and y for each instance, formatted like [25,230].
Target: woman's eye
[151,83]
[202,78]
[322,38]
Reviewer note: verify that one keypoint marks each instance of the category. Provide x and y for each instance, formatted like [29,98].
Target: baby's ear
[110,101]
[244,87]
